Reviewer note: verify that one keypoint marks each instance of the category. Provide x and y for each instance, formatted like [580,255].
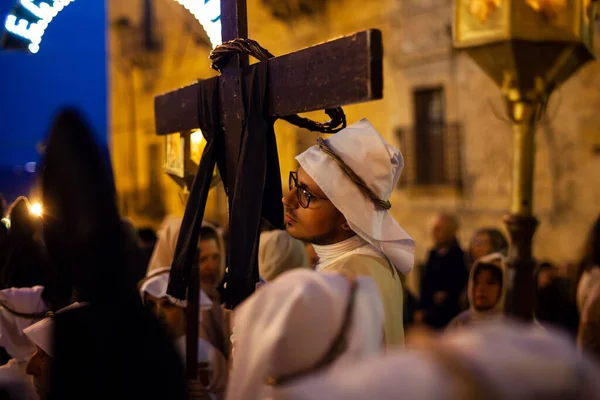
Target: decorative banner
[24,27]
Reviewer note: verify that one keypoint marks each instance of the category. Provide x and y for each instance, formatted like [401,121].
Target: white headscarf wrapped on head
[499,261]
[164,251]
[41,334]
[379,165]
[279,252]
[156,283]
[288,326]
[15,301]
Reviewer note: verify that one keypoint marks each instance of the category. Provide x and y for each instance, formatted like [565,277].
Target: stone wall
[418,54]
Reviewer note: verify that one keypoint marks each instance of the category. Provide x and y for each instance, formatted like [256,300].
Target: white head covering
[156,283]
[290,324]
[379,165]
[23,301]
[41,333]
[279,252]
[498,260]
[496,361]
[164,251]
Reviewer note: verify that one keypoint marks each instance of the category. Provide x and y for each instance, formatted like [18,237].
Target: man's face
[39,368]
[443,231]
[169,315]
[481,245]
[209,261]
[487,290]
[321,223]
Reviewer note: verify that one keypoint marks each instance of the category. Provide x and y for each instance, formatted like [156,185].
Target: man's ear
[346,226]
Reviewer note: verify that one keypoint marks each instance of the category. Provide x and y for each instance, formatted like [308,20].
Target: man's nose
[290,200]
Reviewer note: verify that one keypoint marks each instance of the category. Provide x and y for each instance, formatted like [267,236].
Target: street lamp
[528,47]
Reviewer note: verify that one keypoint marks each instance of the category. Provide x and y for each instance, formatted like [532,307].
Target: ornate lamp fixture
[528,47]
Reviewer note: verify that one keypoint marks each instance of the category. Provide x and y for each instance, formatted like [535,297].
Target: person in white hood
[488,283]
[495,361]
[278,252]
[339,200]
[302,324]
[19,309]
[171,313]
[41,334]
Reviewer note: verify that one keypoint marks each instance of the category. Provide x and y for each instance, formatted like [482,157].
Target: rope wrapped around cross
[219,58]
[223,52]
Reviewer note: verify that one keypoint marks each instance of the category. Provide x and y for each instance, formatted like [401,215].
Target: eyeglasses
[304,196]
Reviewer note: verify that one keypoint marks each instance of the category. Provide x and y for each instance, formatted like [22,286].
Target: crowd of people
[85,309]
[459,287]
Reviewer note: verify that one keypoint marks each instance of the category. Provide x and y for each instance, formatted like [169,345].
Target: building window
[431,148]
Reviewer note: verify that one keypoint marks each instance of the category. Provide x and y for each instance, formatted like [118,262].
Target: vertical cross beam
[234,24]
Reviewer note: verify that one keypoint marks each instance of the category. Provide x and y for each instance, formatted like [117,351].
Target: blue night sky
[69,69]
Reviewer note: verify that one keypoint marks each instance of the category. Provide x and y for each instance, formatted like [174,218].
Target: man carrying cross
[339,202]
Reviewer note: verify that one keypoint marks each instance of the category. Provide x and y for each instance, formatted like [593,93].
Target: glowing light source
[197,145]
[30,167]
[33,27]
[36,209]
[208,13]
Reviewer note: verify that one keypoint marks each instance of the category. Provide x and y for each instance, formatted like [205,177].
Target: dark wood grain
[343,71]
[234,25]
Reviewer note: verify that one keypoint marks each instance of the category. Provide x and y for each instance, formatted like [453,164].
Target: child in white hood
[487,287]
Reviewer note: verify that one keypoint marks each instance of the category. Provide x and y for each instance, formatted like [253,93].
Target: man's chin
[292,230]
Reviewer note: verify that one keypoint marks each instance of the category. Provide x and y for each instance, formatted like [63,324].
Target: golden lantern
[528,47]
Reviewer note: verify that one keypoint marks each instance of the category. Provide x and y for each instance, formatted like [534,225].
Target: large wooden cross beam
[343,71]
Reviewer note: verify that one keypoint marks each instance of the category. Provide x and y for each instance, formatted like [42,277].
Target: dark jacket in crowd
[444,272]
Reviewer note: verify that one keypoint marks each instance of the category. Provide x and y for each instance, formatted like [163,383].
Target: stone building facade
[444,113]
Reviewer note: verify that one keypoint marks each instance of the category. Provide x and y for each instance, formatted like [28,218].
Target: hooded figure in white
[278,252]
[214,325]
[302,324]
[495,361]
[19,309]
[211,361]
[357,170]
[164,251]
[489,281]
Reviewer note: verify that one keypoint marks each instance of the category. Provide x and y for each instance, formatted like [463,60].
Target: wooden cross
[343,71]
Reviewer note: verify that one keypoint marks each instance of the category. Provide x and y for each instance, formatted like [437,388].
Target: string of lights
[29,19]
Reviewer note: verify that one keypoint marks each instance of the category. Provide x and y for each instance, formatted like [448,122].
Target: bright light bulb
[197,137]
[33,31]
[36,209]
